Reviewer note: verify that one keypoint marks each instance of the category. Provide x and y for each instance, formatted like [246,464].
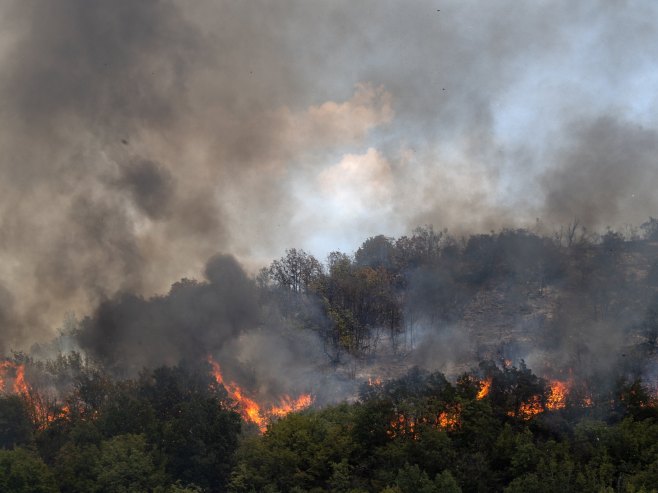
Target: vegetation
[174,430]
[496,427]
[390,286]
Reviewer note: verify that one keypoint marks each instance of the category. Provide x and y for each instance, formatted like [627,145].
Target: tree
[307,450]
[76,467]
[23,472]
[424,247]
[377,251]
[15,423]
[295,272]
[200,442]
[127,465]
[650,229]
[411,479]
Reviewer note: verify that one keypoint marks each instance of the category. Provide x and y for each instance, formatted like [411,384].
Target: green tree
[15,423]
[295,272]
[127,465]
[23,472]
[200,442]
[307,451]
[76,467]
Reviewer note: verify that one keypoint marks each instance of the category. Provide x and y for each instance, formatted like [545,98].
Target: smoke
[141,138]
[195,319]
[605,173]
[222,317]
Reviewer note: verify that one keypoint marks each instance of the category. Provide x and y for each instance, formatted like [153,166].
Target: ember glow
[251,410]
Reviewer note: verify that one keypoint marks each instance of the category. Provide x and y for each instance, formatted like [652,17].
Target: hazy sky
[140,138]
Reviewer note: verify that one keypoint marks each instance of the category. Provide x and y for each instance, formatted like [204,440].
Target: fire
[40,413]
[374,382]
[558,395]
[289,405]
[251,410]
[485,387]
[527,410]
[19,386]
[449,420]
[402,425]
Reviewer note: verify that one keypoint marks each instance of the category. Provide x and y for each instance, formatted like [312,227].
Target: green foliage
[411,479]
[22,471]
[446,483]
[15,423]
[127,465]
[200,442]
[76,467]
[363,446]
[172,430]
[308,450]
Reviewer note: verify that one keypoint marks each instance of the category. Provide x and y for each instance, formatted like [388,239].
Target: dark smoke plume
[139,138]
[194,320]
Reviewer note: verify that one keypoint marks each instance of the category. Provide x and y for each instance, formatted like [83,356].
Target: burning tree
[250,409]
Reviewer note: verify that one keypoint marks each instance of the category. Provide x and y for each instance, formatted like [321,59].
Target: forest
[552,383]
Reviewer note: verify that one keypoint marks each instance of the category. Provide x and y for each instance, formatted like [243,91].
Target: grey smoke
[141,137]
[606,171]
[150,185]
[221,317]
[191,322]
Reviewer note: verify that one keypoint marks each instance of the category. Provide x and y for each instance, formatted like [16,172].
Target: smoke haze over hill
[141,138]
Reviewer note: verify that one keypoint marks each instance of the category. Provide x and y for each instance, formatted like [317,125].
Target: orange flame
[485,387]
[449,420]
[41,413]
[19,386]
[527,410]
[557,398]
[289,405]
[402,425]
[250,409]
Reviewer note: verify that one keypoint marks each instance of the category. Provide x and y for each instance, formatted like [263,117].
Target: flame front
[251,410]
